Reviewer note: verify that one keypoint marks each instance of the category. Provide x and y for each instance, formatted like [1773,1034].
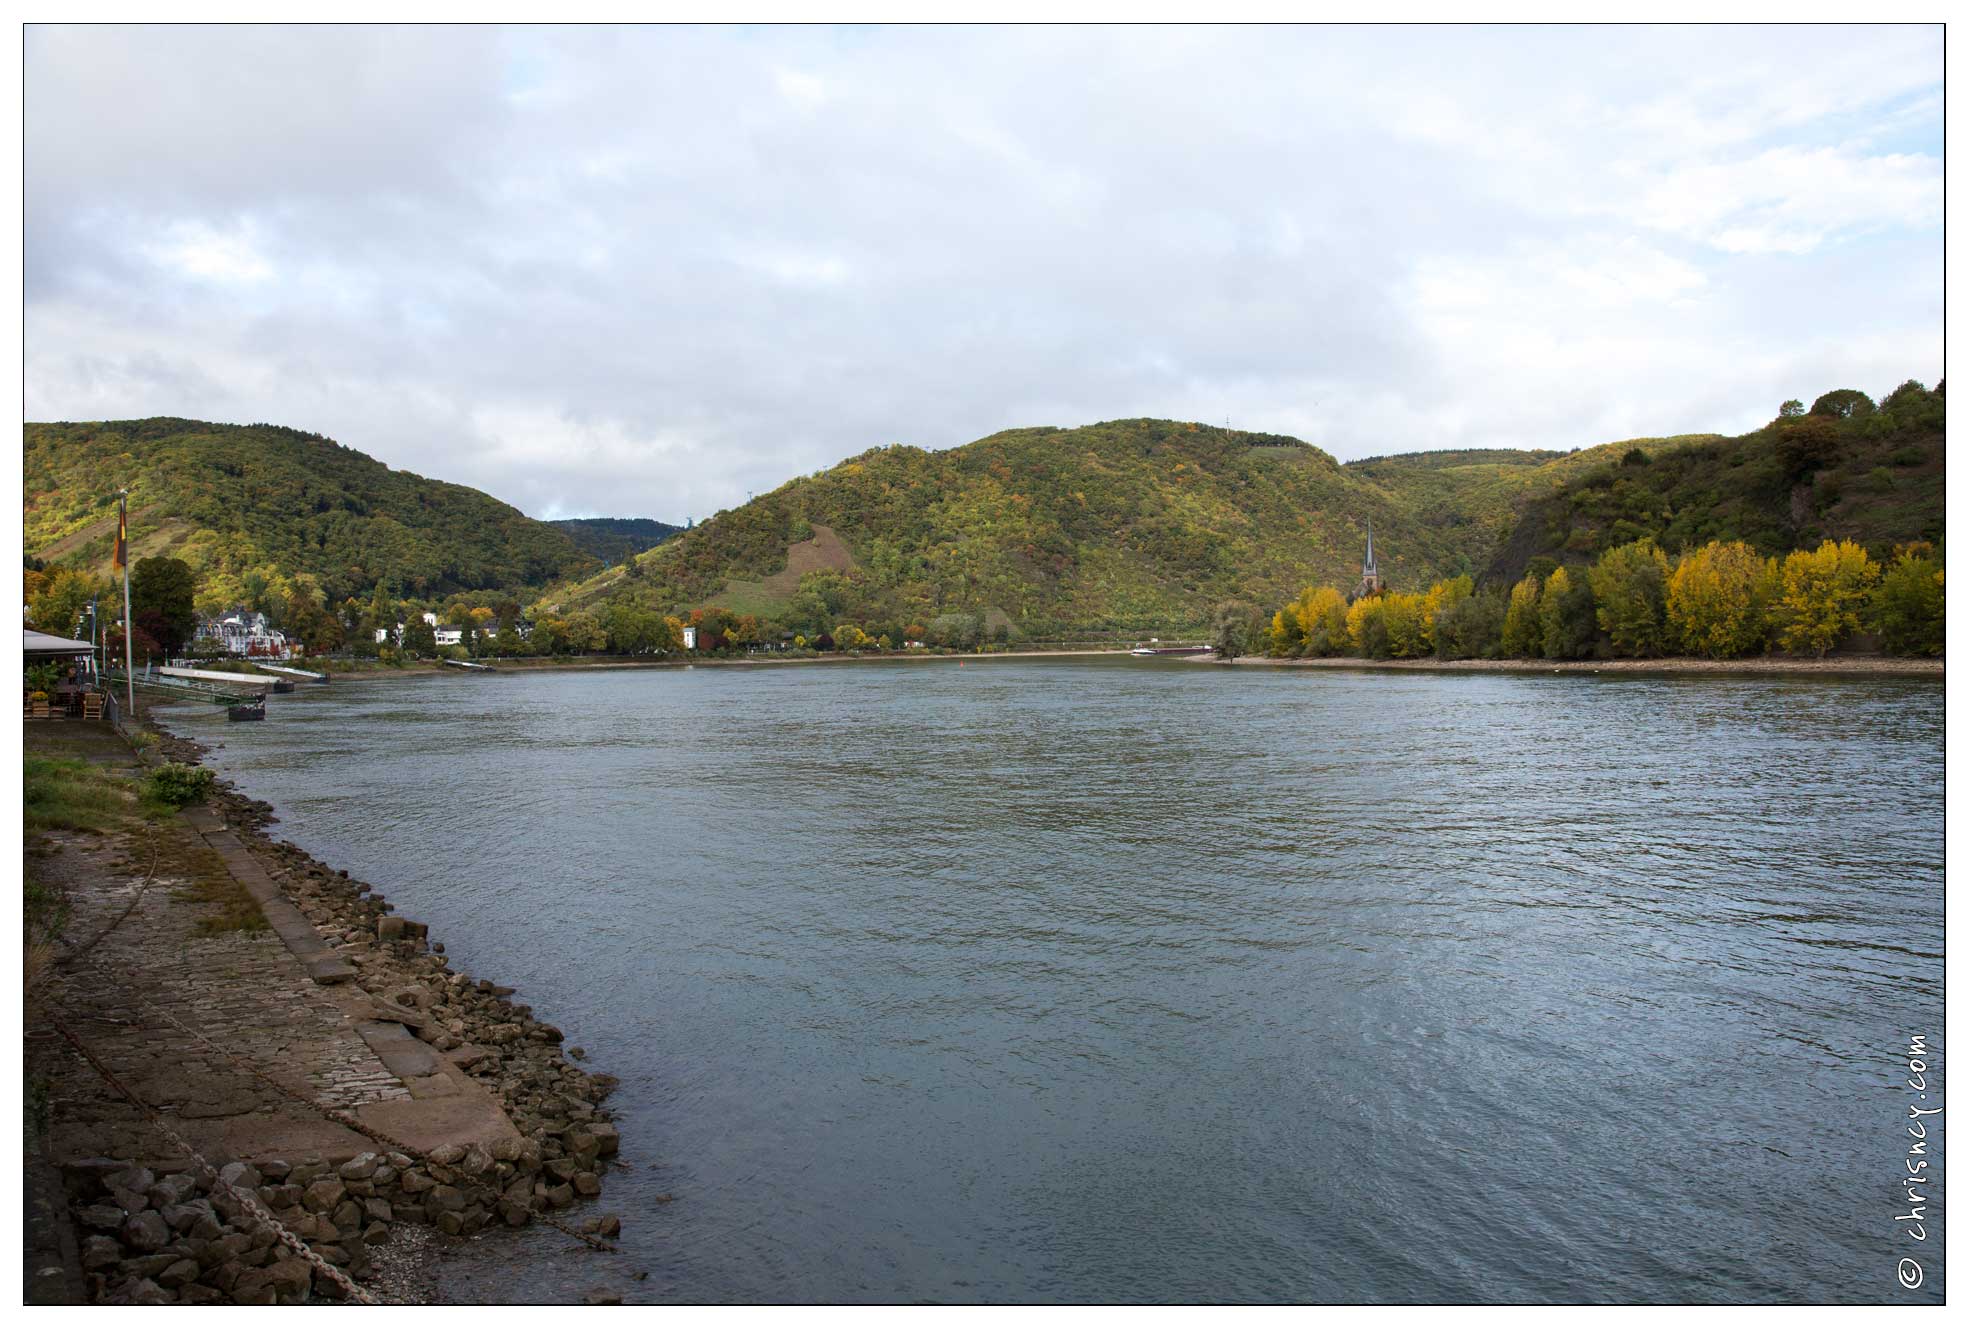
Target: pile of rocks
[159,1240]
[131,1221]
[556,1104]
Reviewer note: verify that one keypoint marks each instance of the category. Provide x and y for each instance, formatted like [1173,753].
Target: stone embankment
[364,1094]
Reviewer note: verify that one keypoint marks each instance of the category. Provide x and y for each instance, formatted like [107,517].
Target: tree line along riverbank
[335,1068]
[1875,666]
[1719,602]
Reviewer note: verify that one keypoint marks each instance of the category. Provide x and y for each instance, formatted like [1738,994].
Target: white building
[690,638]
[446,634]
[244,632]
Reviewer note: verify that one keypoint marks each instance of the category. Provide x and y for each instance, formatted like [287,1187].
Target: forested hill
[1126,525]
[245,501]
[613,539]
[1845,469]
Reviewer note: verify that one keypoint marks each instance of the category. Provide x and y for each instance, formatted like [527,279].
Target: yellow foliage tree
[1408,624]
[1824,592]
[1713,606]
[1313,624]
[64,596]
[1443,595]
[1524,635]
[1284,633]
[1367,625]
[1322,615]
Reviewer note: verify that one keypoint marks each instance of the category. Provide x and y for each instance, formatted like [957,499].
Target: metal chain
[250,1203]
[82,951]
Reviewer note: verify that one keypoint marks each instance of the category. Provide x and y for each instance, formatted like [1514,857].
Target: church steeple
[1370,575]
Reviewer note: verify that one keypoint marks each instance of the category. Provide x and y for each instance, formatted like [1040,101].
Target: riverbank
[319,1050]
[522,665]
[1875,666]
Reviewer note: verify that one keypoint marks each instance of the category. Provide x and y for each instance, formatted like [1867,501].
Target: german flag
[122,532]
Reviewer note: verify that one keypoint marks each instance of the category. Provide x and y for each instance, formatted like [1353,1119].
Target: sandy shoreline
[1869,665]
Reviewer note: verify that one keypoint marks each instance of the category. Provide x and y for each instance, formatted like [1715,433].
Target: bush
[1907,605]
[176,785]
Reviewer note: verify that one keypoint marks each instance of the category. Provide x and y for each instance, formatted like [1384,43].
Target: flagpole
[129,627]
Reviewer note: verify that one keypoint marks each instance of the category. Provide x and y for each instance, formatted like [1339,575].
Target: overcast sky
[644,272]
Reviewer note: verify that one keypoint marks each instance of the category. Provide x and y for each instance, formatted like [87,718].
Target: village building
[242,632]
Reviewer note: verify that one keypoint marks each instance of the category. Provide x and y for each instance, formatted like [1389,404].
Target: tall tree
[1713,606]
[1523,633]
[1824,591]
[1236,629]
[418,638]
[1565,610]
[1907,607]
[161,594]
[1630,595]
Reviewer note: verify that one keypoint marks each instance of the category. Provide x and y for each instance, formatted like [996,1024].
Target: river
[1147,981]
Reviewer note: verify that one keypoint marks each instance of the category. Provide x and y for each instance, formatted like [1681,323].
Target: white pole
[129,626]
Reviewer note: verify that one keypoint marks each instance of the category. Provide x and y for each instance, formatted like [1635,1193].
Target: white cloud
[794,269]
[1793,200]
[803,90]
[196,249]
[644,271]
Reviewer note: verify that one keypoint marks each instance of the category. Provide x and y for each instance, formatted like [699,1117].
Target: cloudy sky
[644,272]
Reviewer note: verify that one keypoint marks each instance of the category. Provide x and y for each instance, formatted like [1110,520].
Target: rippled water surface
[1149,981]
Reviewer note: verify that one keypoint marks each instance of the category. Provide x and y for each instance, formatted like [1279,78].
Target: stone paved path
[245,991]
[136,947]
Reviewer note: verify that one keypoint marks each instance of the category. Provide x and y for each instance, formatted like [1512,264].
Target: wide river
[1148,981]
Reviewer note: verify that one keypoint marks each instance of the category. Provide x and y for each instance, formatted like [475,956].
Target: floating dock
[184,689]
[289,671]
[243,682]
[472,664]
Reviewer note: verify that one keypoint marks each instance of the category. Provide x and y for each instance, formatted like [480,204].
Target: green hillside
[1145,525]
[612,539]
[1124,527]
[1846,470]
[1129,525]
[236,500]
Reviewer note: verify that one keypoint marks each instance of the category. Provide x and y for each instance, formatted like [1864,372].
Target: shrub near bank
[176,785]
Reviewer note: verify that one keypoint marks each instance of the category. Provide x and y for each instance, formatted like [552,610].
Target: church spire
[1370,575]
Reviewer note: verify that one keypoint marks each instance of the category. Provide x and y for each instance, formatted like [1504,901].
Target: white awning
[40,643]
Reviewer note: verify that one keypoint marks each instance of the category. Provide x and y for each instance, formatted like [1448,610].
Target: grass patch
[68,794]
[206,882]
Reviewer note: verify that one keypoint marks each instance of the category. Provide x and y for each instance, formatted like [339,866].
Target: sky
[651,271]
